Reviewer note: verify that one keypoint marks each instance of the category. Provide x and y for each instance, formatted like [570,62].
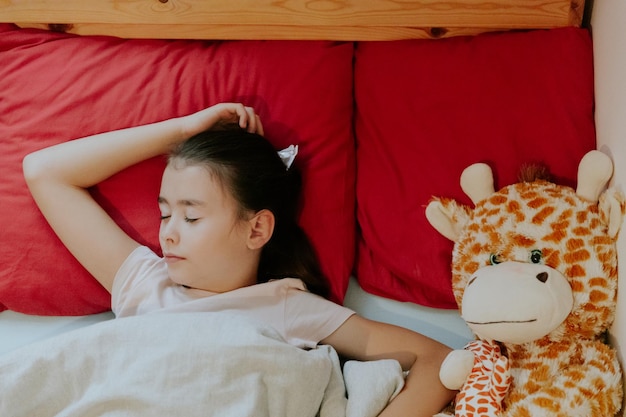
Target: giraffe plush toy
[534,270]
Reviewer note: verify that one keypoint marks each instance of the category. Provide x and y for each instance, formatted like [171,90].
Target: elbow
[33,168]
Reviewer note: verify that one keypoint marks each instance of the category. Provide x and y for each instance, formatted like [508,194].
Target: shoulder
[141,265]
[140,261]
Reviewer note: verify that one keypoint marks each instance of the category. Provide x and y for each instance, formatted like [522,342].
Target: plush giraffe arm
[488,383]
[455,368]
[500,379]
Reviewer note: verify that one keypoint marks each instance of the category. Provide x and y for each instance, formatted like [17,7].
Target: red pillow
[56,87]
[426,109]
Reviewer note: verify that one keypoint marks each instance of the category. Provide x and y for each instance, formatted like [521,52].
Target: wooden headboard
[291,19]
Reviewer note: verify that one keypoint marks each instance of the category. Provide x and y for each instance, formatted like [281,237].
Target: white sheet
[191,364]
[17,330]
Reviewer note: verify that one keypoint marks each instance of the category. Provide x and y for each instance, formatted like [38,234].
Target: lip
[171,258]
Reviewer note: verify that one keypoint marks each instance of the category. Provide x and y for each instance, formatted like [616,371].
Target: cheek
[208,234]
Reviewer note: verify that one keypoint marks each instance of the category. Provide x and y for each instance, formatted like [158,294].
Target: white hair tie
[288,155]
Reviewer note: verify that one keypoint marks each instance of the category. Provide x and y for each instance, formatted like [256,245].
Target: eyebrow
[184,202]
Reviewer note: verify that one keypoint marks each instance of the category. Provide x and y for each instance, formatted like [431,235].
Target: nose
[168,231]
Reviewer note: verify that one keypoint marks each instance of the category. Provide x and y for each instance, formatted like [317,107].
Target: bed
[391,76]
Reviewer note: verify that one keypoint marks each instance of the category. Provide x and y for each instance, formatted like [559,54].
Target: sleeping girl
[229,240]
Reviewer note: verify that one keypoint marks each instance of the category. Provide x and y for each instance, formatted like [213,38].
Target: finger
[241,114]
[259,126]
[251,120]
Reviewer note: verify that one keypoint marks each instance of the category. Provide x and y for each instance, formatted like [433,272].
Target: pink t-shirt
[142,285]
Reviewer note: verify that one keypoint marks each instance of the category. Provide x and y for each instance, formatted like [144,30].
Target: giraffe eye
[494,259]
[535,256]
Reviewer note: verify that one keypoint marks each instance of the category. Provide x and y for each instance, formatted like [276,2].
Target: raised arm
[59,176]
[423,395]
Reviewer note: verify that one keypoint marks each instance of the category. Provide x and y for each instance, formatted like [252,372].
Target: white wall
[608,24]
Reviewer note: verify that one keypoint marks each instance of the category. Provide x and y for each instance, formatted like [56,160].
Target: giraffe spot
[595,223]
[528,194]
[492,213]
[555,392]
[576,271]
[556,236]
[581,231]
[537,202]
[551,352]
[568,199]
[598,282]
[602,240]
[539,373]
[497,199]
[569,384]
[547,404]
[576,285]
[471,267]
[475,249]
[513,206]
[479,211]
[552,258]
[565,216]
[607,257]
[542,215]
[597,296]
[519,240]
[574,244]
[577,256]
[494,237]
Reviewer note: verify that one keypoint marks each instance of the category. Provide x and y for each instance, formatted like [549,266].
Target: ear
[261,229]
[447,217]
[477,182]
[612,206]
[594,172]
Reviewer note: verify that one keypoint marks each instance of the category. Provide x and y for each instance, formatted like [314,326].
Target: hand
[222,116]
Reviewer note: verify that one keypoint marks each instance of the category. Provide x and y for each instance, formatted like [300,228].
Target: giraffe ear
[594,172]
[612,207]
[447,217]
[477,182]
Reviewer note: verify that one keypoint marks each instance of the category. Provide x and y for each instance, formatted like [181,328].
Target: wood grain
[293,19]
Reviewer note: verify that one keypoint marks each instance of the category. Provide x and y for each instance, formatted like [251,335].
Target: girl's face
[202,237]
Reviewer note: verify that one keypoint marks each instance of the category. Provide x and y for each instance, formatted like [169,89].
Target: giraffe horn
[594,172]
[477,182]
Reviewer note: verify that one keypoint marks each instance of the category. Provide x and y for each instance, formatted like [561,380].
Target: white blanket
[186,364]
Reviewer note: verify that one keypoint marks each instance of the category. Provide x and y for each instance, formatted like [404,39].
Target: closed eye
[190,220]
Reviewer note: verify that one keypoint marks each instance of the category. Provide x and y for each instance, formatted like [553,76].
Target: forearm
[87,161]
[90,160]
[423,394]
